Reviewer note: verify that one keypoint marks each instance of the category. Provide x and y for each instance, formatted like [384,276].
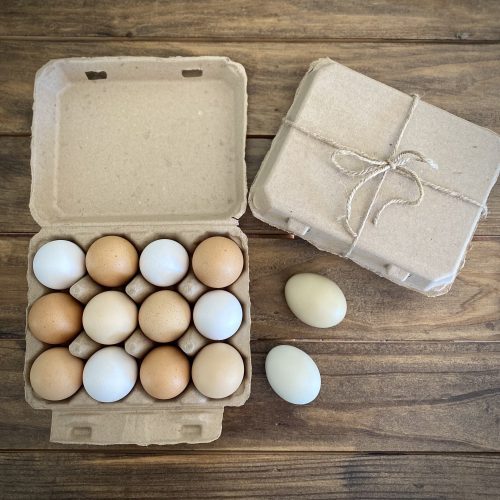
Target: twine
[396,162]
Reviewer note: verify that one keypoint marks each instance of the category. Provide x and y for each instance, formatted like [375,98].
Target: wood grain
[393,396]
[414,381]
[463,79]
[71,475]
[15,190]
[261,19]
[378,310]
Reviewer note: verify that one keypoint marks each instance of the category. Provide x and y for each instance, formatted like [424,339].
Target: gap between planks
[226,451]
[242,40]
[334,341]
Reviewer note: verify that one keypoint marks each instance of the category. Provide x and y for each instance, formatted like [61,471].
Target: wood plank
[261,19]
[15,190]
[463,79]
[71,475]
[375,396]
[378,310]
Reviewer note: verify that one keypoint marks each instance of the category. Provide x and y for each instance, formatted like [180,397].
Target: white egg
[59,264]
[164,262]
[315,300]
[293,374]
[217,315]
[109,374]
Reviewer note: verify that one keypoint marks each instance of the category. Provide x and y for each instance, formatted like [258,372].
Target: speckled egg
[164,316]
[112,261]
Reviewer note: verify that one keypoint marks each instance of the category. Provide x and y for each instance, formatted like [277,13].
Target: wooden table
[409,406]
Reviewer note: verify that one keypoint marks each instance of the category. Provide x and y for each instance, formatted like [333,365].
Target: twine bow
[396,162]
[380,167]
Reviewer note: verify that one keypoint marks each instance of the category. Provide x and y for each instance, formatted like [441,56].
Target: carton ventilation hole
[192,73]
[96,75]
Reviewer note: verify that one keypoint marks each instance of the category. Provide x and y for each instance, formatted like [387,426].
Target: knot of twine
[379,167]
[396,162]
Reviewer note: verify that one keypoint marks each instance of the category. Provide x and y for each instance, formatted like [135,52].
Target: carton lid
[298,188]
[133,140]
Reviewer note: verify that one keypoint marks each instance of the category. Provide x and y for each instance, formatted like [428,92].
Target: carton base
[139,418]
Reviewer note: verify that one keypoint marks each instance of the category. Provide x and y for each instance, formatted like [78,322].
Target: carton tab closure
[143,427]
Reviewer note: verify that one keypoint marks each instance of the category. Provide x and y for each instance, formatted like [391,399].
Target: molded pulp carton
[362,170]
[145,148]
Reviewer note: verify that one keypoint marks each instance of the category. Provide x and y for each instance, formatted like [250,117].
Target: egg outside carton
[137,344]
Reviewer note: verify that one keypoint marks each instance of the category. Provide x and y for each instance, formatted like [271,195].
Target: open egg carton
[153,148]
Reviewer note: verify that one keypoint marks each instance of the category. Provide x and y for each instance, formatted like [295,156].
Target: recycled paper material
[145,148]
[306,181]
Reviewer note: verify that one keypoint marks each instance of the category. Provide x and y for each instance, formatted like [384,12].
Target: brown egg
[165,372]
[55,318]
[164,316]
[217,262]
[56,374]
[218,370]
[112,261]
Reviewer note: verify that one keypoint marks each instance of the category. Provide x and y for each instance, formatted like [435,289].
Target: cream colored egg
[315,300]
[110,317]
[218,370]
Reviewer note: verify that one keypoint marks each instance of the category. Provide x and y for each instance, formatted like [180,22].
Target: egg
[164,316]
[59,264]
[109,374]
[164,262]
[55,318]
[217,315]
[218,370]
[165,372]
[110,317]
[56,374]
[293,374]
[218,262]
[315,300]
[112,261]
